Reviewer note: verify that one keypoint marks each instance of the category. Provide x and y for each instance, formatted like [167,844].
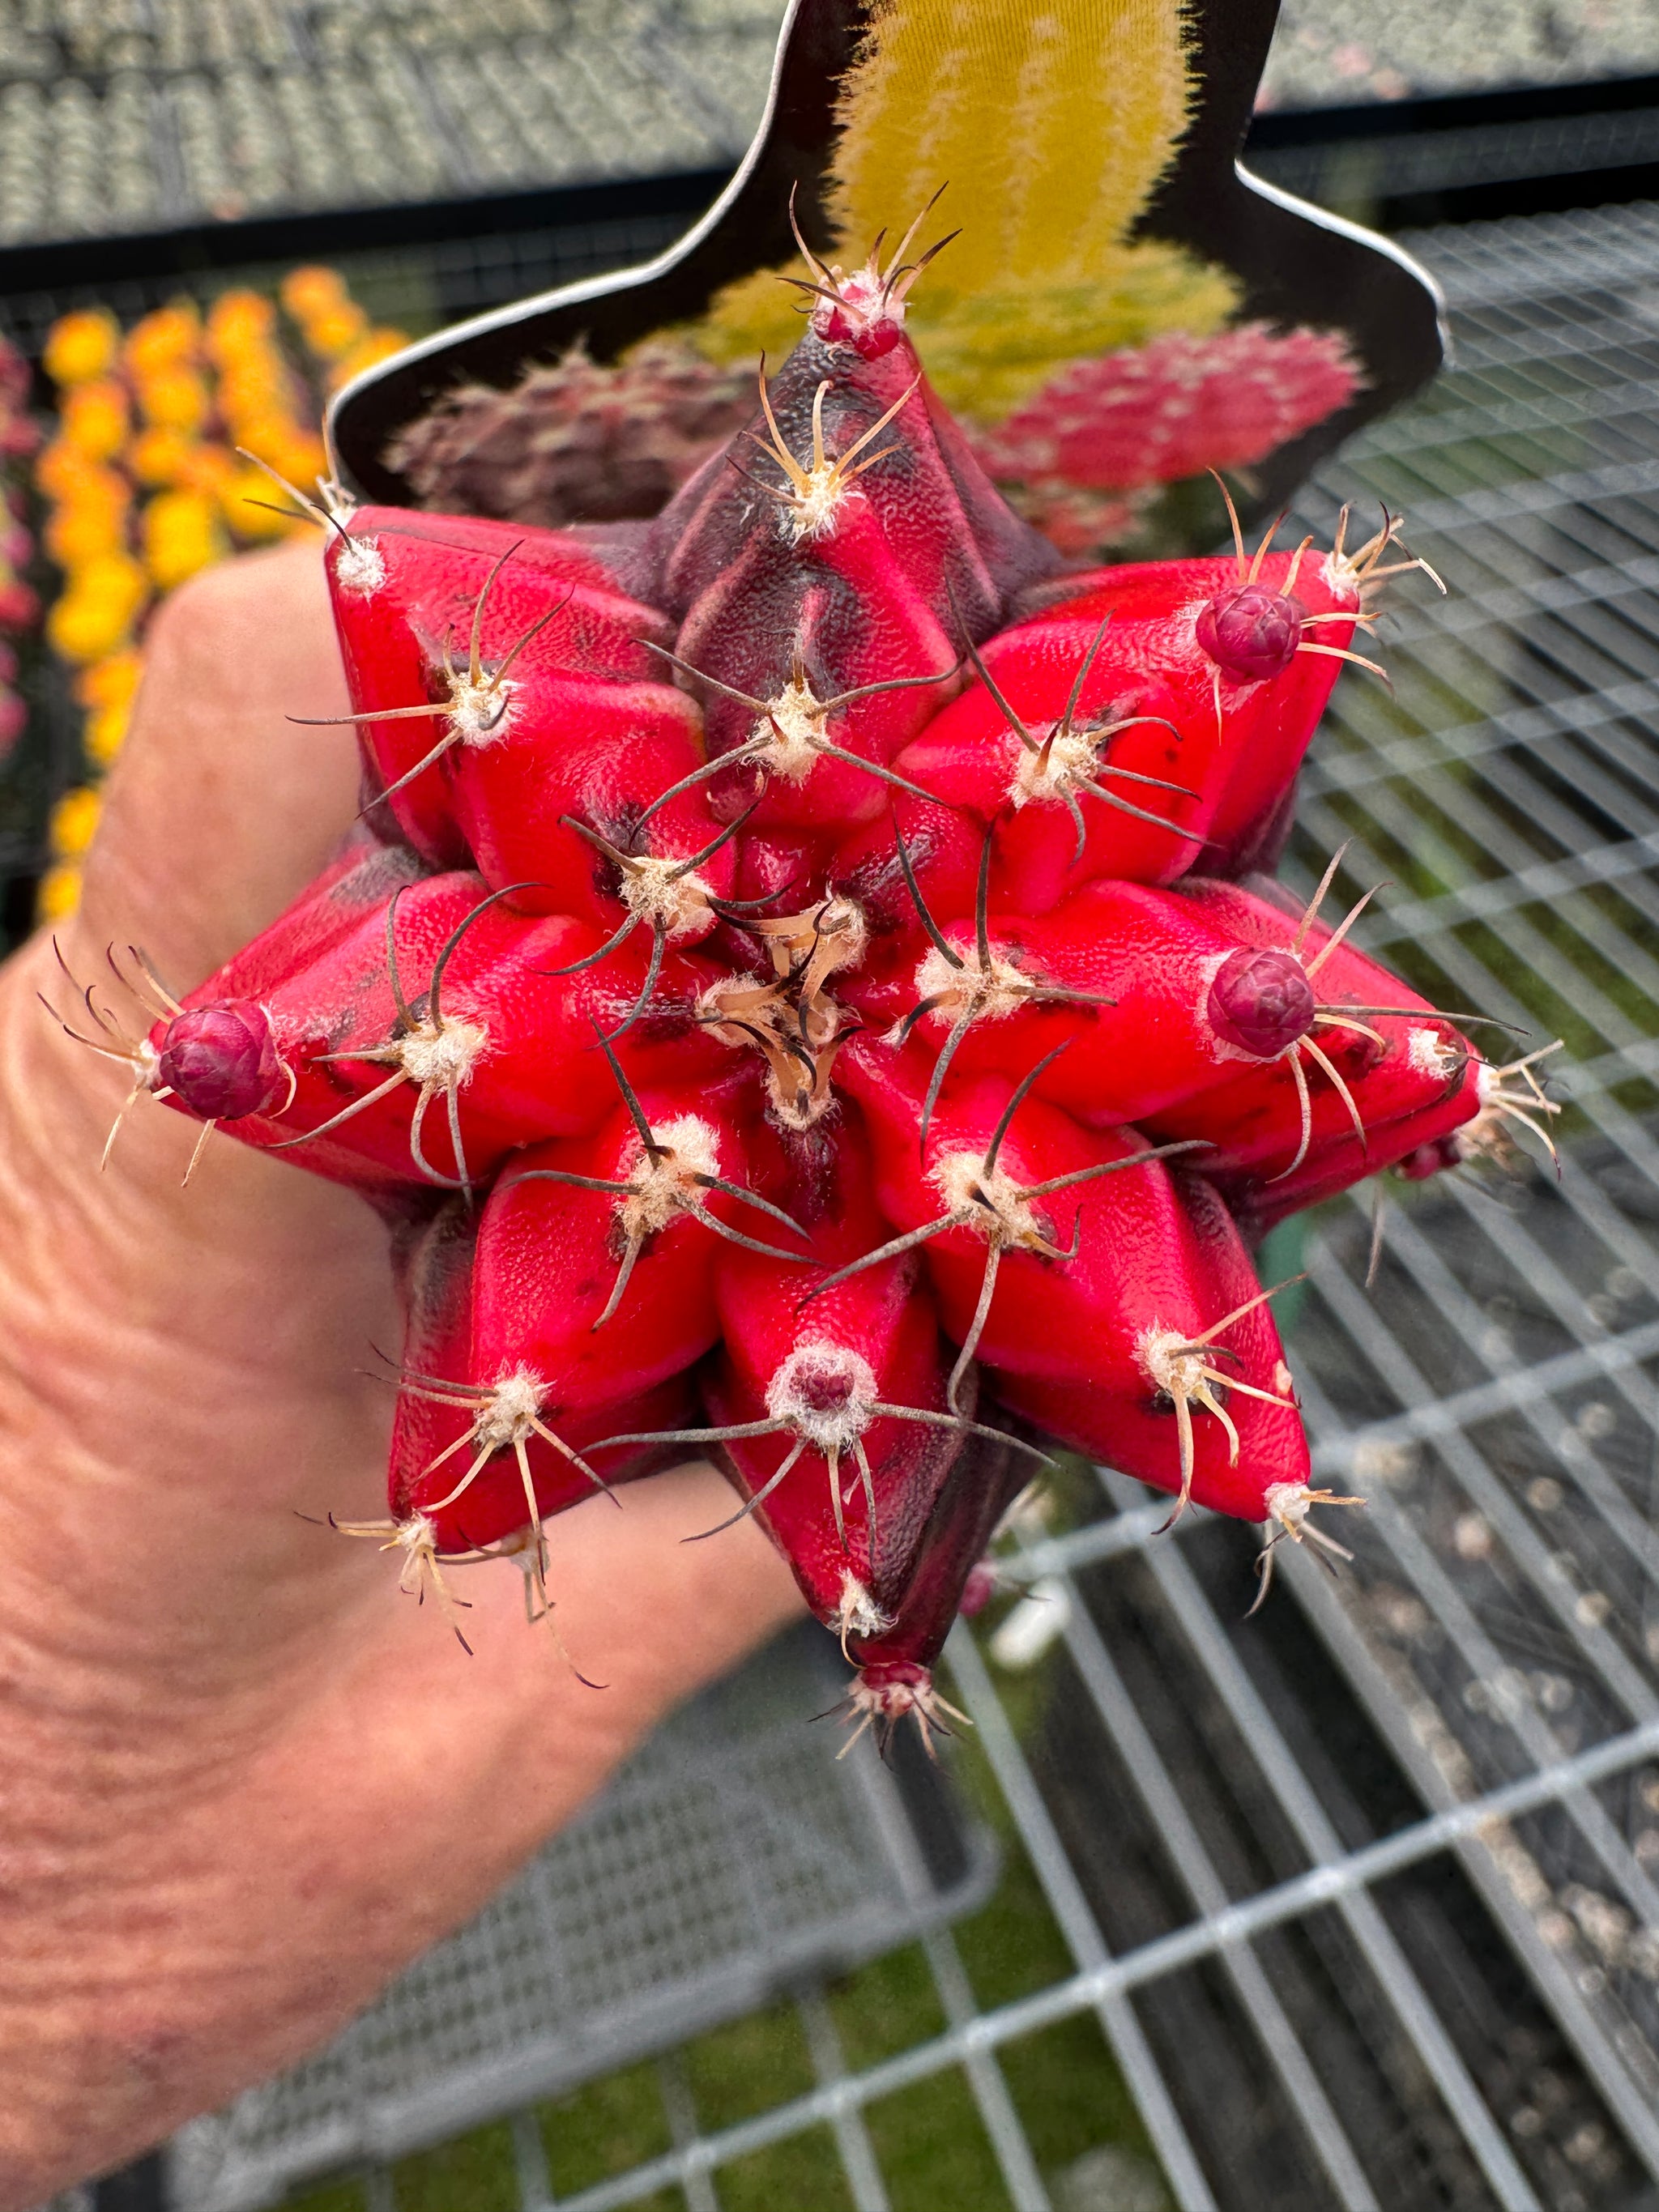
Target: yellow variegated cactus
[1052,126]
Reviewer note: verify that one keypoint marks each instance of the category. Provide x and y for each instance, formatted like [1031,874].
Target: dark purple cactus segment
[1252,633]
[1261,1001]
[221,1062]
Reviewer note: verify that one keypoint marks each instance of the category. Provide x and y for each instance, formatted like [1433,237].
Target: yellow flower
[92,520]
[158,457]
[255,386]
[169,338]
[93,418]
[59,893]
[239,322]
[104,732]
[95,614]
[111,682]
[335,330]
[174,399]
[74,819]
[81,346]
[311,291]
[181,535]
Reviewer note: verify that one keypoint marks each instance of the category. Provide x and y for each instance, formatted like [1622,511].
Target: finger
[219,810]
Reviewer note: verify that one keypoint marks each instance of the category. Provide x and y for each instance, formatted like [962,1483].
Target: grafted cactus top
[824,864]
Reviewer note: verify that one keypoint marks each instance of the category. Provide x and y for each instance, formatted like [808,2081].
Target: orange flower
[252,388]
[281,444]
[91,521]
[160,456]
[174,399]
[238,322]
[111,682]
[61,470]
[210,469]
[335,330]
[94,417]
[169,338]
[76,535]
[311,291]
[81,346]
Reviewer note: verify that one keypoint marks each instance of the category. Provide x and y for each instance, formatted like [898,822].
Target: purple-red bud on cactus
[1433,1158]
[1261,1001]
[978,1589]
[221,1062]
[1253,632]
[862,317]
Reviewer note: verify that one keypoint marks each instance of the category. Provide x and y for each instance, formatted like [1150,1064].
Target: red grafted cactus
[1182,404]
[791,990]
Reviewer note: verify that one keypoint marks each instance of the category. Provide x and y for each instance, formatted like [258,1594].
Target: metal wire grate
[1392,165]
[144,115]
[735,1855]
[1386,50]
[1364,1892]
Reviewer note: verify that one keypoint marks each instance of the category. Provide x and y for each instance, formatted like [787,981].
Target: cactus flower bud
[1261,1001]
[221,1062]
[1251,633]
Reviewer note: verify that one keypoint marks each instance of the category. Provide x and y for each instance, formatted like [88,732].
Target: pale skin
[242,1780]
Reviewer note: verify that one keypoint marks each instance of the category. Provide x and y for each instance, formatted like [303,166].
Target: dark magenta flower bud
[221,1062]
[1260,1000]
[1433,1158]
[864,324]
[1253,632]
[978,1589]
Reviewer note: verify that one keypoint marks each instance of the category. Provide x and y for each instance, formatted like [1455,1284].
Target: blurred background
[1352,1903]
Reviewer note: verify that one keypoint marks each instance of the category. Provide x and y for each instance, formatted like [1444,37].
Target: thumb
[220,810]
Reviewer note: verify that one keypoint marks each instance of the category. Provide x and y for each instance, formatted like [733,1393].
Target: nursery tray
[734,1858]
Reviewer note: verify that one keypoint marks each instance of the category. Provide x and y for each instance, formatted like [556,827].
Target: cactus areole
[799,992]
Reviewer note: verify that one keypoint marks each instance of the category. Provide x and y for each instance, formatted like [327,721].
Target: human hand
[241,1782]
